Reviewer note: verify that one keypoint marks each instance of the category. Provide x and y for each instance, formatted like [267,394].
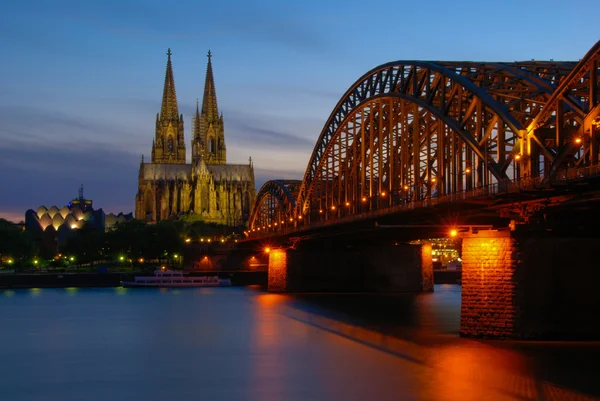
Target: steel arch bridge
[274,205]
[413,130]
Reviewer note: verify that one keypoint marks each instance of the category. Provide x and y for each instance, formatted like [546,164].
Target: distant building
[53,226]
[210,188]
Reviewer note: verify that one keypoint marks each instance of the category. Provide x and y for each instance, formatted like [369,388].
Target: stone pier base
[373,269]
[520,286]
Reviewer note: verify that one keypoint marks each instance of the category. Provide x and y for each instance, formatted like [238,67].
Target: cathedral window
[211,145]
[170,144]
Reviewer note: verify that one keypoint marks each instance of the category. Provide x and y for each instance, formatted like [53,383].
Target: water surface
[242,344]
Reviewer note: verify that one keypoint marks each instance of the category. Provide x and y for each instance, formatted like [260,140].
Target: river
[240,343]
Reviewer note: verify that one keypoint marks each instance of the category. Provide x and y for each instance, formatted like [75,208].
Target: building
[208,187]
[52,227]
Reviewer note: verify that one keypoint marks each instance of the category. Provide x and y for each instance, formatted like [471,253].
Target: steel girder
[566,129]
[407,130]
[274,204]
[486,110]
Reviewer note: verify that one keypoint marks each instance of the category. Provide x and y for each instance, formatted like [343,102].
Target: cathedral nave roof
[230,172]
[166,171]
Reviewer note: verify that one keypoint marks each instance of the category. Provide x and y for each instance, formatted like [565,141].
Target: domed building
[53,226]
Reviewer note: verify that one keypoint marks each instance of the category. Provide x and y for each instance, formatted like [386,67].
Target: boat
[172,278]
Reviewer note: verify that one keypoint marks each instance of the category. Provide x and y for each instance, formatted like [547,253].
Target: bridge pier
[524,285]
[400,267]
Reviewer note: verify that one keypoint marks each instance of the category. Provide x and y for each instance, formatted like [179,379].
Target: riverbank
[113,279]
[109,279]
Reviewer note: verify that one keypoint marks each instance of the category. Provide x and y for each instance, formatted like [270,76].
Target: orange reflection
[269,299]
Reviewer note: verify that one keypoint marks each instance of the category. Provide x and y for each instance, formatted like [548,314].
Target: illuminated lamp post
[466,172]
[405,195]
[517,168]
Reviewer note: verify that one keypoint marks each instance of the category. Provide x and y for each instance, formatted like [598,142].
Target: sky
[81,81]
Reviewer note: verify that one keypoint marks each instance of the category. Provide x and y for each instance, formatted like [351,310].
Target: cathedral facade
[207,187]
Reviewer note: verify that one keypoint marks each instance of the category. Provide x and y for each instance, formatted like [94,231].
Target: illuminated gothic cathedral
[208,187]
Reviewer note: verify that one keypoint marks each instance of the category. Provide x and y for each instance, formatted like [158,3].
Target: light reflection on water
[241,344]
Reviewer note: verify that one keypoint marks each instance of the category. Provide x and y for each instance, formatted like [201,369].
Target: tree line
[130,242]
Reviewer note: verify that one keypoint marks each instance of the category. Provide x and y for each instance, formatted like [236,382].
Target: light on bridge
[320,210]
[291,219]
[406,187]
[299,217]
[364,199]
[453,233]
[518,157]
[275,224]
[332,207]
[383,193]
[347,203]
[577,141]
[267,249]
[468,170]
[433,179]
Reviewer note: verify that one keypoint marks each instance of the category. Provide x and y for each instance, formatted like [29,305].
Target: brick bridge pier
[381,268]
[530,285]
[521,284]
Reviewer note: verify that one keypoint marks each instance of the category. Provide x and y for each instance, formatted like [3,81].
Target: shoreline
[9,281]
[109,279]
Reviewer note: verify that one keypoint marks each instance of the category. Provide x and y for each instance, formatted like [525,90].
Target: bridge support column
[369,269]
[529,286]
[278,271]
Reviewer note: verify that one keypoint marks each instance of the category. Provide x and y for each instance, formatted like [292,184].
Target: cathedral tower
[208,142]
[208,189]
[168,145]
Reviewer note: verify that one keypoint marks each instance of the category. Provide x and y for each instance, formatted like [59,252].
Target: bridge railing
[494,189]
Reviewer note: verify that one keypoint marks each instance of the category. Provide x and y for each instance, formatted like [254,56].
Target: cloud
[264,131]
[30,126]
[42,175]
[246,22]
[264,175]
[267,138]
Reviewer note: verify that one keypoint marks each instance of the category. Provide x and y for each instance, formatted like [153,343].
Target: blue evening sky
[81,81]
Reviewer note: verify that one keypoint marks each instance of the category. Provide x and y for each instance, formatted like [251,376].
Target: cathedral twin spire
[208,139]
[169,145]
[169,102]
[208,135]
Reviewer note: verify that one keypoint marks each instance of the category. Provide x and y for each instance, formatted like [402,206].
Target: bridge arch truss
[274,205]
[411,130]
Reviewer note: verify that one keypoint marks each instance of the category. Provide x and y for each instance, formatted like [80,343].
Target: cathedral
[209,188]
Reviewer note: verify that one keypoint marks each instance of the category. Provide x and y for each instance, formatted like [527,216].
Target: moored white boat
[171,278]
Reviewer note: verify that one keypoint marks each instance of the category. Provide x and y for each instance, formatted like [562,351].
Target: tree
[15,244]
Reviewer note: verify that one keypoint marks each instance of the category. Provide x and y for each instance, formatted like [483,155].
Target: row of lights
[208,240]
[291,219]
[383,193]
